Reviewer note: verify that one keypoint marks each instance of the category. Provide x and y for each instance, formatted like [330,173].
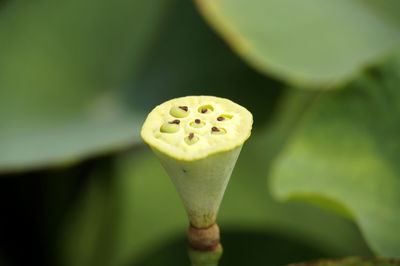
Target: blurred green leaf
[187,58]
[347,152]
[62,67]
[351,261]
[310,43]
[199,63]
[87,237]
[147,212]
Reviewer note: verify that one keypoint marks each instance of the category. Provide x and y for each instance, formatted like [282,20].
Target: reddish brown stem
[204,239]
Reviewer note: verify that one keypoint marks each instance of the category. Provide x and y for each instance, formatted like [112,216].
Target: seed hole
[218,130]
[197,123]
[206,109]
[191,139]
[169,127]
[224,117]
[179,111]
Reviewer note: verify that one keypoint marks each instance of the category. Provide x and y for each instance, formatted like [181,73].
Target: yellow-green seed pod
[199,156]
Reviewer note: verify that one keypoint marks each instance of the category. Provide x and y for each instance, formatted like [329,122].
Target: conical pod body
[201,184]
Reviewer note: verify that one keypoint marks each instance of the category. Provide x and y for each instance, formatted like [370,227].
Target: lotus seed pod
[200,152]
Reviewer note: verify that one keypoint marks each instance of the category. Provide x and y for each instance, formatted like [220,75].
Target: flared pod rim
[216,124]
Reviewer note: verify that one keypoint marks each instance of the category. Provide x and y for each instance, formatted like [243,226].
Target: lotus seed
[176,121]
[206,109]
[169,127]
[197,123]
[179,111]
[191,139]
[218,131]
[224,117]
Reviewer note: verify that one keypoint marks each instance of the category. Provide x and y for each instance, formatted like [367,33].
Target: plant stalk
[204,245]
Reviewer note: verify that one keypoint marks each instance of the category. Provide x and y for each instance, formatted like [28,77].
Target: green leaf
[187,58]
[351,261]
[347,152]
[86,236]
[310,43]
[62,67]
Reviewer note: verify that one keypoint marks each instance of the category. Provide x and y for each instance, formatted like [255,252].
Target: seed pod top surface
[194,127]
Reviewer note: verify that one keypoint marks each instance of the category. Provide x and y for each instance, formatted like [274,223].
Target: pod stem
[204,245]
